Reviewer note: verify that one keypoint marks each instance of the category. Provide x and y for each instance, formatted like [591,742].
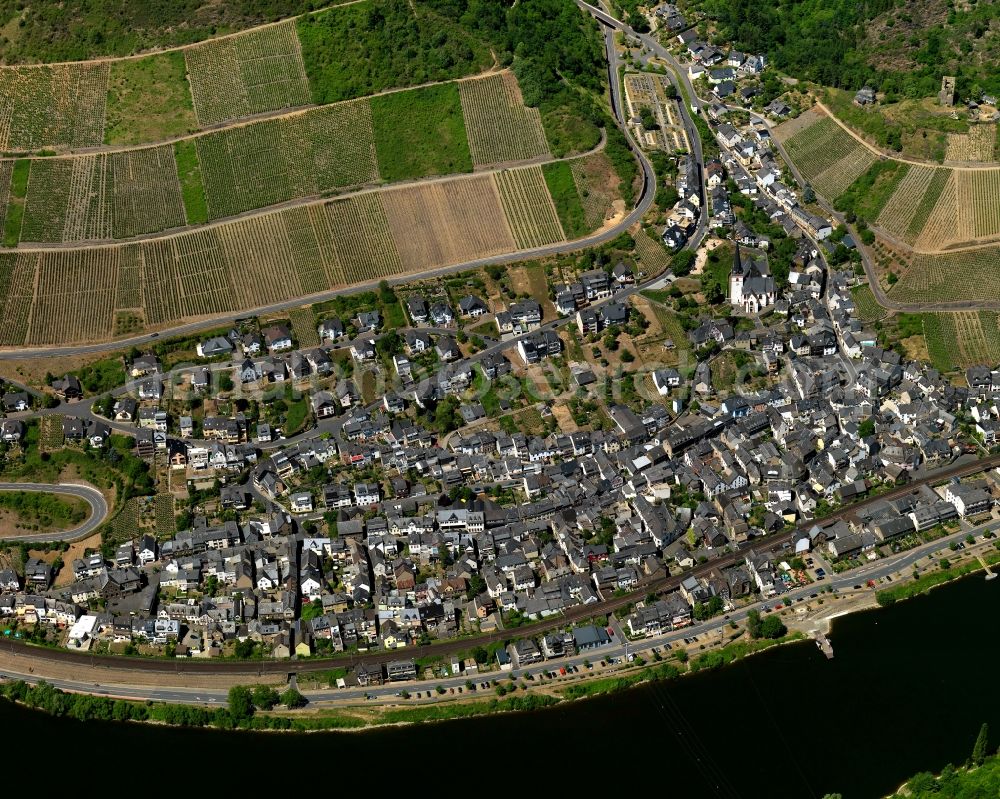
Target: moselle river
[907,691]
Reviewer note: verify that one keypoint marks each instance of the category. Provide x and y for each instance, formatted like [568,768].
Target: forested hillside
[901,47]
[72,30]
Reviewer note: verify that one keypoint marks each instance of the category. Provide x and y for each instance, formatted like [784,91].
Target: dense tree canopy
[837,42]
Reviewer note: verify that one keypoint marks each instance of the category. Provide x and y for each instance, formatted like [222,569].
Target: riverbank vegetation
[924,583]
[739,650]
[979,777]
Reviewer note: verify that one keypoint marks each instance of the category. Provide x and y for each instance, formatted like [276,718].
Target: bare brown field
[448,222]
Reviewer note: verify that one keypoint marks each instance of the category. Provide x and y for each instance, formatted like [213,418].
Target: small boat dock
[824,644]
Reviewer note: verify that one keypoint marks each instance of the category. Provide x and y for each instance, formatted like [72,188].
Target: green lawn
[192,186]
[394,316]
[149,100]
[420,133]
[15,204]
[569,206]
[295,418]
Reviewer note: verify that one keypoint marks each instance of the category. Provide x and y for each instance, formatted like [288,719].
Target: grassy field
[251,73]
[869,193]
[18,189]
[192,184]
[355,50]
[569,206]
[920,127]
[598,186]
[420,133]
[500,128]
[906,211]
[24,511]
[149,100]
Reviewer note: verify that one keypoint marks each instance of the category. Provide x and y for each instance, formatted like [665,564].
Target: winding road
[95,499]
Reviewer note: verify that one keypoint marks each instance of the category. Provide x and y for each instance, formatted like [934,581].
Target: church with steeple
[750,283]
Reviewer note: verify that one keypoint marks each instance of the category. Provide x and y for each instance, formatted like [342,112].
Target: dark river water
[907,691]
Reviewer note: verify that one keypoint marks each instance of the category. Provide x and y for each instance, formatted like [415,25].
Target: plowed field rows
[17,279]
[976,145]
[103,196]
[276,160]
[979,201]
[941,225]
[951,277]
[94,293]
[62,105]
[820,145]
[448,222]
[250,73]
[362,240]
[499,125]
[902,206]
[73,294]
[835,179]
[529,208]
